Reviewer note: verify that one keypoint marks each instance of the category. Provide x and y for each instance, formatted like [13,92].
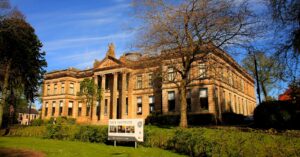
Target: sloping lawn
[57,148]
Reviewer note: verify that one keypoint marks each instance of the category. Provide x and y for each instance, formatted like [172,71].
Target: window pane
[139,100]
[203,93]
[171,95]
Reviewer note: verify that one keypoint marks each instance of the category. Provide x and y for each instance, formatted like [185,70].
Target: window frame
[139,105]
[171,102]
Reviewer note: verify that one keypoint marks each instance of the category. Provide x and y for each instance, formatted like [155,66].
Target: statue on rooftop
[111,50]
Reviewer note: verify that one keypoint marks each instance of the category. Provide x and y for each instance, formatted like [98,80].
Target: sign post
[126,130]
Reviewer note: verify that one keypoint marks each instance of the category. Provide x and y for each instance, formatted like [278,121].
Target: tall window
[202,70]
[60,108]
[238,105]
[171,74]
[235,104]
[62,88]
[151,104]
[70,108]
[126,109]
[230,102]
[105,107]
[139,105]
[53,108]
[98,110]
[88,108]
[203,98]
[71,88]
[139,82]
[189,100]
[171,101]
[48,89]
[46,109]
[79,109]
[55,88]
[150,82]
[224,100]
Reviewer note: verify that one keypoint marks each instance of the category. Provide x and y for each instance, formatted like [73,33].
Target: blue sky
[76,32]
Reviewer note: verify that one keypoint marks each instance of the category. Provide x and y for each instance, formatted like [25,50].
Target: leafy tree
[189,29]
[21,61]
[269,71]
[89,92]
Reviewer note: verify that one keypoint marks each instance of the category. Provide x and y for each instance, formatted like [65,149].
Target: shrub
[233,118]
[192,142]
[157,137]
[275,114]
[173,120]
[95,134]
[60,132]
[37,122]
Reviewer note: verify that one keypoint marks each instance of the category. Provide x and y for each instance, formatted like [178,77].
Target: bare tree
[181,32]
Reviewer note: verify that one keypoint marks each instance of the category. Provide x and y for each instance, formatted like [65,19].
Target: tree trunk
[264,91]
[183,105]
[4,92]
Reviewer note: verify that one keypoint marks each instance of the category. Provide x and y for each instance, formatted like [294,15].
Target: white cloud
[80,41]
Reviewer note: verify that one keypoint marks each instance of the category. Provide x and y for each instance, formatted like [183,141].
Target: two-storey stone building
[134,87]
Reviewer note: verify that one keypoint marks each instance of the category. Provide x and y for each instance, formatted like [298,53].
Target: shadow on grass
[9,152]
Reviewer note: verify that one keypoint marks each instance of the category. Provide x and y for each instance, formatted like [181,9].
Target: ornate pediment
[107,62]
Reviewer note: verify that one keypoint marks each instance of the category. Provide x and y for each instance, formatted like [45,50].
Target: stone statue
[111,50]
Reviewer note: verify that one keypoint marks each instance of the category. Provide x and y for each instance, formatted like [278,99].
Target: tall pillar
[131,109]
[50,104]
[123,96]
[114,95]
[75,109]
[43,109]
[94,116]
[56,114]
[102,108]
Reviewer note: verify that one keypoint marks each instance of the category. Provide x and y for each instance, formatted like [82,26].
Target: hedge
[192,141]
[277,114]
[173,120]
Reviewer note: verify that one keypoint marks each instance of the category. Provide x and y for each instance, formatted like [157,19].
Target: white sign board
[126,130]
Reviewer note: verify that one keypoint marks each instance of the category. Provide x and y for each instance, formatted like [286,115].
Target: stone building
[24,117]
[136,85]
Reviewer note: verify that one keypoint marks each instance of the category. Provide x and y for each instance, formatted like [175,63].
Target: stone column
[50,104]
[131,109]
[114,95]
[75,109]
[56,114]
[65,108]
[94,116]
[123,96]
[43,109]
[102,103]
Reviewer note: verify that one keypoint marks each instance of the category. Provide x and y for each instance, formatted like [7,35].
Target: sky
[76,32]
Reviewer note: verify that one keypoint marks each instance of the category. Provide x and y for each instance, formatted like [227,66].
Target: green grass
[57,148]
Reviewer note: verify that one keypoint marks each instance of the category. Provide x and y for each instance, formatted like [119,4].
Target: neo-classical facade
[135,86]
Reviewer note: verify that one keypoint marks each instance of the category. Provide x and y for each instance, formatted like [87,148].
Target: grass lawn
[57,148]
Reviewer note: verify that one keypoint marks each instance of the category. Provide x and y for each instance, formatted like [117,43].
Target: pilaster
[102,103]
[114,95]
[123,96]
